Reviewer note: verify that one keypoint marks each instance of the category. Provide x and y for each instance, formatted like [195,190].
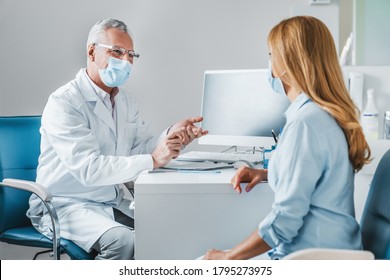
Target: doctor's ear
[91,52]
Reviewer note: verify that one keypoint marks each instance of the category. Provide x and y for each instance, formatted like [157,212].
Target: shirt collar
[294,107]
[99,92]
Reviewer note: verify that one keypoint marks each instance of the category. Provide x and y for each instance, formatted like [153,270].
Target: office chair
[19,151]
[375,223]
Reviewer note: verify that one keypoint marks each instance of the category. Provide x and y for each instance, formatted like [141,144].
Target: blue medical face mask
[116,73]
[276,83]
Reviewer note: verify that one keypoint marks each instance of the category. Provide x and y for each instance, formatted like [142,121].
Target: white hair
[97,31]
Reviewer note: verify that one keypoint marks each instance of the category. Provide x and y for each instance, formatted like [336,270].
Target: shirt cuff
[168,129]
[144,162]
[266,230]
[149,162]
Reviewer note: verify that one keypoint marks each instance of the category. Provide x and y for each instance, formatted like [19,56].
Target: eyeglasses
[119,52]
[270,59]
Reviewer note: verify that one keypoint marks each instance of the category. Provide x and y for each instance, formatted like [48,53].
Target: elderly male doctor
[92,140]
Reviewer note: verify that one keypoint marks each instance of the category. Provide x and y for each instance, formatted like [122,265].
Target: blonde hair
[305,47]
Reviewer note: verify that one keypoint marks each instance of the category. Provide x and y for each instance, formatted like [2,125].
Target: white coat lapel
[101,111]
[121,111]
[90,96]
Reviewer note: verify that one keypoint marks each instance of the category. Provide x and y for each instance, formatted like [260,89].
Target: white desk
[182,215]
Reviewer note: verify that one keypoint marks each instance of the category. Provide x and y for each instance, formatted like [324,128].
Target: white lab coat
[84,157]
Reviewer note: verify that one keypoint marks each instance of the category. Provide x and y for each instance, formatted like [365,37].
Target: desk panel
[181,216]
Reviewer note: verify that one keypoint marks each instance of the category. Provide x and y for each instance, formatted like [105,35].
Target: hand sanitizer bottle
[370,117]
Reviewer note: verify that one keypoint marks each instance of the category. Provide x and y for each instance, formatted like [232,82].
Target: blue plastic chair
[19,151]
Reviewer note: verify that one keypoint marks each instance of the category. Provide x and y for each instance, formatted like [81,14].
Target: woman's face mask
[276,83]
[116,73]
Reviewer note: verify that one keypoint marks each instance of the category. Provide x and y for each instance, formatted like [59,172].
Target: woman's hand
[252,246]
[214,254]
[252,176]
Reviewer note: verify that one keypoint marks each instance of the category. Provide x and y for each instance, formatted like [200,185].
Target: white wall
[43,46]
[371,28]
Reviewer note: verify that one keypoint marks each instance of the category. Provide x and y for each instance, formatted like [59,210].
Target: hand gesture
[248,175]
[191,130]
[168,148]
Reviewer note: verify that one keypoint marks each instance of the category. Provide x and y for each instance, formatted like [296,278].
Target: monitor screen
[240,108]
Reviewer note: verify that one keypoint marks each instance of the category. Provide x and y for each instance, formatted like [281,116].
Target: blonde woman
[320,149]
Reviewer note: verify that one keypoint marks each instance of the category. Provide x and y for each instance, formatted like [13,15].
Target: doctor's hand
[252,176]
[192,131]
[168,148]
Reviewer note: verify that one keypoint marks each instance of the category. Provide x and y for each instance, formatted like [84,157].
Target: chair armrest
[330,254]
[46,198]
[30,186]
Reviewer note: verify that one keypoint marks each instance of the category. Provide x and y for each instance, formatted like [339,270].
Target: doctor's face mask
[116,73]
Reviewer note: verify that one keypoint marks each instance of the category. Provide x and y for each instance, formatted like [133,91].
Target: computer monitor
[240,108]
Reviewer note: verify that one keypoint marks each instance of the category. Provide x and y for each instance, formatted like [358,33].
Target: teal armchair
[19,152]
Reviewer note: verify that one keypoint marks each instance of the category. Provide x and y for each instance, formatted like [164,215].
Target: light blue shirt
[313,182]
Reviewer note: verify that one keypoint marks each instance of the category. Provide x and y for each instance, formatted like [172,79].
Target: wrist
[155,163]
[231,255]
[264,174]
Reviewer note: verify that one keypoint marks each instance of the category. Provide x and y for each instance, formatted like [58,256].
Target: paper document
[196,166]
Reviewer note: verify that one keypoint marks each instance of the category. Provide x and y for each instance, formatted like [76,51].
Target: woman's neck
[293,93]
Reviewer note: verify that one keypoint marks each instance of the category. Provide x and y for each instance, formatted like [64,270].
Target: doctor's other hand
[252,176]
[168,148]
[192,131]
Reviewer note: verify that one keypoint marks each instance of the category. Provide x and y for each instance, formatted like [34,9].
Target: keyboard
[220,157]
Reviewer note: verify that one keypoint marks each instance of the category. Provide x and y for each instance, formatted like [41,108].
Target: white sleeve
[75,144]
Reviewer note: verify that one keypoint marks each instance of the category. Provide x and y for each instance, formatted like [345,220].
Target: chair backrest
[19,152]
[375,221]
